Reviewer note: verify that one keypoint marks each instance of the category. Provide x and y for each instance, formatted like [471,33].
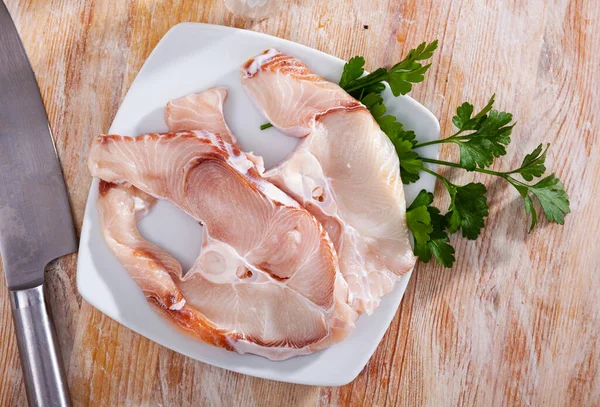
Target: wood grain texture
[515,322]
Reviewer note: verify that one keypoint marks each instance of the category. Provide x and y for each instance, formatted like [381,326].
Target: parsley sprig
[481,138]
[548,192]
[399,77]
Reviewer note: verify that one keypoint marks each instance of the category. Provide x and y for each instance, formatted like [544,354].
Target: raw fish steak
[266,280]
[345,171]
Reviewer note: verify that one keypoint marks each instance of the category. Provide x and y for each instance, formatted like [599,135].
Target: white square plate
[190,58]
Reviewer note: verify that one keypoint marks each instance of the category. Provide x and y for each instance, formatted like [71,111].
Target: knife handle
[45,378]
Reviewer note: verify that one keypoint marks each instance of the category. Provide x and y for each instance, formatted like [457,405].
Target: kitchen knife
[35,218]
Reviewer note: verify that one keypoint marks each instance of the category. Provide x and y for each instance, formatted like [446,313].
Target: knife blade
[35,217]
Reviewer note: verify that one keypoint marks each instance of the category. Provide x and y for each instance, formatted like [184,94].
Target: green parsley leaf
[495,122]
[533,164]
[401,81]
[437,245]
[479,152]
[410,162]
[464,121]
[528,202]
[429,228]
[468,209]
[353,70]
[530,210]
[374,103]
[551,194]
[408,71]
[441,249]
[418,218]
[489,141]
[424,198]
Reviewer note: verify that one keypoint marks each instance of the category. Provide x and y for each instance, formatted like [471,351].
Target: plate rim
[345,376]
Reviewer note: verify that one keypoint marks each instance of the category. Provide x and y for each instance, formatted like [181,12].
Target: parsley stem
[515,182]
[449,185]
[427,170]
[512,172]
[441,177]
[455,165]
[455,135]
[429,143]
[365,81]
[481,170]
[450,139]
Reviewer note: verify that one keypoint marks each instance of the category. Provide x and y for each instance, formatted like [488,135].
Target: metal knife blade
[36,225]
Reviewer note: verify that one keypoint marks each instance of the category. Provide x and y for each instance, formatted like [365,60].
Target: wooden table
[515,322]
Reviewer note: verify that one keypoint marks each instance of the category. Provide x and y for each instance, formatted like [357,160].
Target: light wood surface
[515,322]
